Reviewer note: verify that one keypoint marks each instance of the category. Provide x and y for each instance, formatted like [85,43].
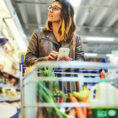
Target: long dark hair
[67,26]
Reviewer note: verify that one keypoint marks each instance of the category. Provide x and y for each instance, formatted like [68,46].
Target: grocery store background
[96,23]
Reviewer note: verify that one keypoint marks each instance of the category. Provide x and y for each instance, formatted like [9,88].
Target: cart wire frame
[27,79]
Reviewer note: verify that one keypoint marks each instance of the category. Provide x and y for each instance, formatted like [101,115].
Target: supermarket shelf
[9,57]
[9,86]
[10,100]
[7,74]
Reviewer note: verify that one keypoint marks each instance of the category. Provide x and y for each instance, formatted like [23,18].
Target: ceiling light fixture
[100,39]
[109,55]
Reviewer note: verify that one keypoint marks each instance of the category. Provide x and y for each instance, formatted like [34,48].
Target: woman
[59,32]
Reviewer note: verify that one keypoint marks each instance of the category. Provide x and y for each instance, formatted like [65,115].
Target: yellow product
[84,93]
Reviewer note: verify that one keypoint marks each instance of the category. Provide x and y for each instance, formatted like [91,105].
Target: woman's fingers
[52,55]
[54,52]
[65,58]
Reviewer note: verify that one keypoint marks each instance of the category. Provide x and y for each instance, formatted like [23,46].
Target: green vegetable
[49,72]
[45,96]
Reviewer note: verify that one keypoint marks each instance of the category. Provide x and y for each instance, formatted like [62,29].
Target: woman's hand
[65,58]
[52,56]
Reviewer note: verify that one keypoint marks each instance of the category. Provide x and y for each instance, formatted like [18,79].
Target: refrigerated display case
[9,95]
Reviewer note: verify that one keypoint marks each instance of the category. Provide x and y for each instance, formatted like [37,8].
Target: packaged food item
[102,113]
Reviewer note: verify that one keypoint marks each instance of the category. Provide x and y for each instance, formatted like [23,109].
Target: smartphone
[63,52]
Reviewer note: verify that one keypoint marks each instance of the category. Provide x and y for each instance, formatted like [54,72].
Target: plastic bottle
[104,93]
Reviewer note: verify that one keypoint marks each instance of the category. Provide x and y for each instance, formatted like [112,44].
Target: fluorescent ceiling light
[75,3]
[90,54]
[109,55]
[16,34]
[101,39]
[4,11]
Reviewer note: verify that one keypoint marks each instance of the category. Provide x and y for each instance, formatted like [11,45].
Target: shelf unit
[7,86]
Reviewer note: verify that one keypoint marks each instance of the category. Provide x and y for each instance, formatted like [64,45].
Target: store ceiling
[93,18]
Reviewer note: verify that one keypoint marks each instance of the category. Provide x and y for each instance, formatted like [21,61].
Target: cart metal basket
[39,101]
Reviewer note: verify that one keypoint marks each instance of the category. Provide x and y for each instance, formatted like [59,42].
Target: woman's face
[54,12]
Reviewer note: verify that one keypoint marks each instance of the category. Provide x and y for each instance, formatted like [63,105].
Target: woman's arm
[32,55]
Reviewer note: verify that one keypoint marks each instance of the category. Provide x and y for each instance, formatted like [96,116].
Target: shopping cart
[17,114]
[40,101]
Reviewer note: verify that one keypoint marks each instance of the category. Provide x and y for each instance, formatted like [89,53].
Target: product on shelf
[9,87]
[9,93]
[1,68]
[3,41]
[9,79]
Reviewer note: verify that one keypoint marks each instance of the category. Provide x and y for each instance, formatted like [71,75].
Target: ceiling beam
[113,17]
[100,14]
[97,19]
[24,15]
[32,2]
[38,13]
[97,32]
[83,17]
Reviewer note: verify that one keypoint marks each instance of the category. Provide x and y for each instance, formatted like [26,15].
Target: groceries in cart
[49,92]
[53,96]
